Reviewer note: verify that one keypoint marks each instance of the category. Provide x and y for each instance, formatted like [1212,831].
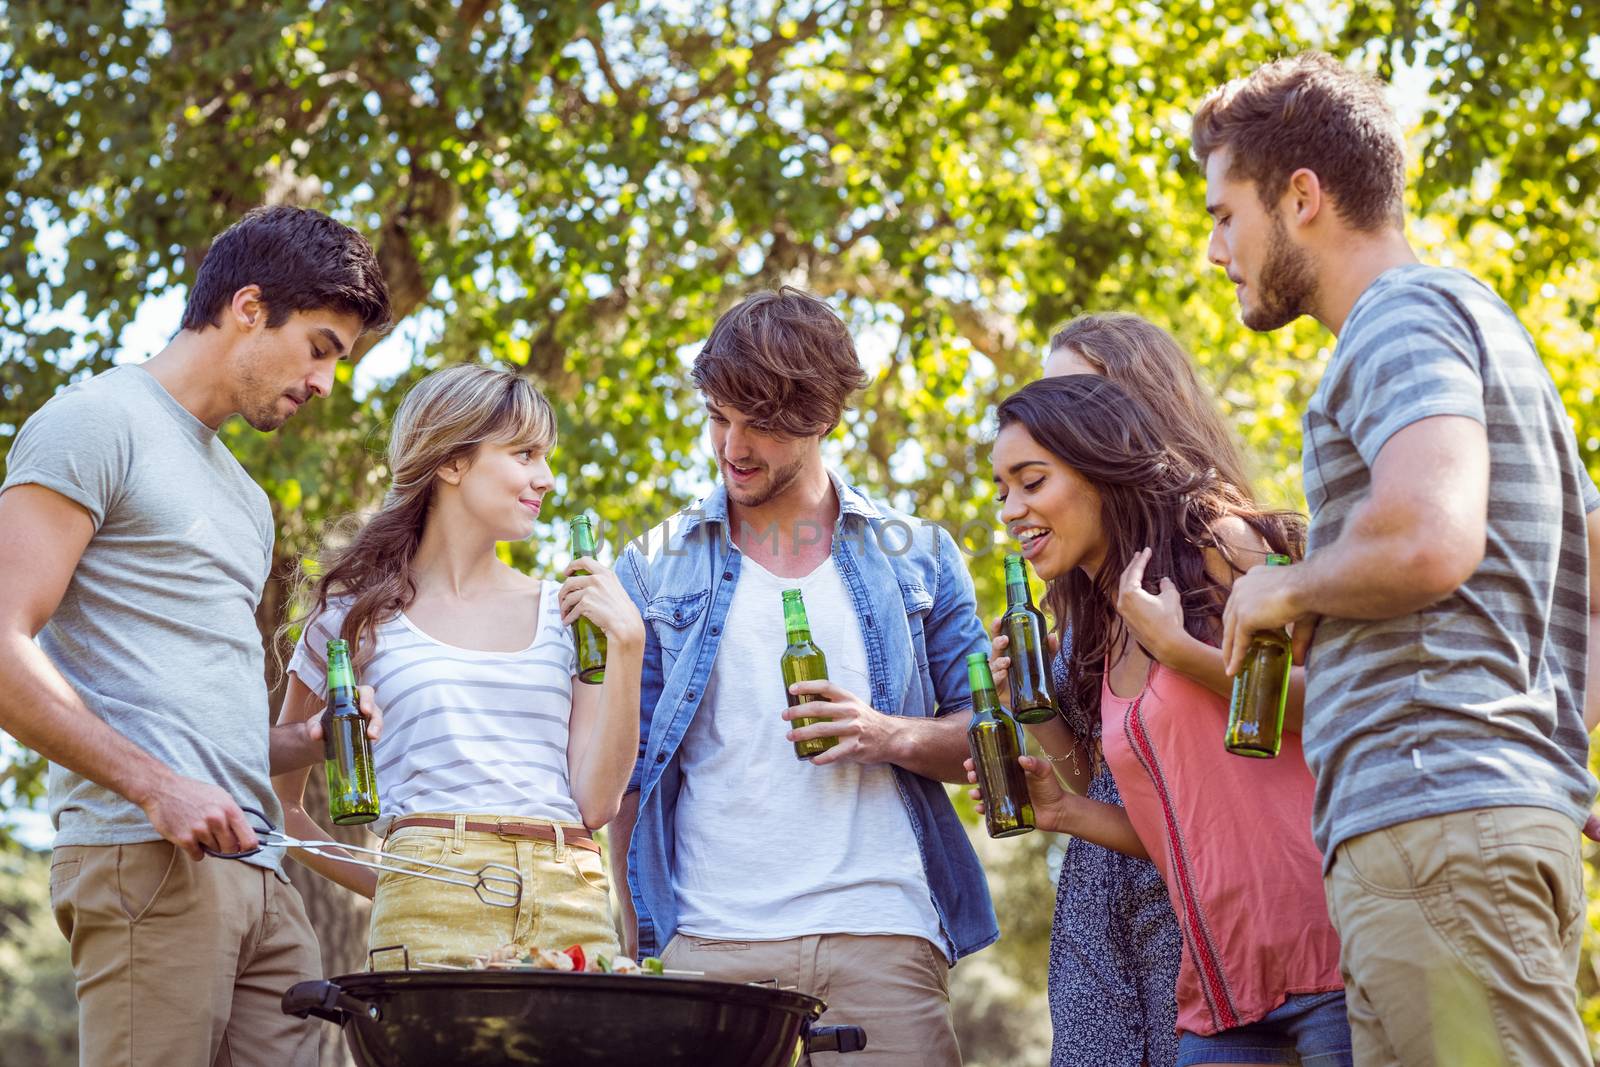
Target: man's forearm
[40,710]
[1106,825]
[1380,569]
[933,748]
[619,836]
[289,749]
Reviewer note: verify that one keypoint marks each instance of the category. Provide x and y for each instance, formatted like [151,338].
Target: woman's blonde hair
[444,418]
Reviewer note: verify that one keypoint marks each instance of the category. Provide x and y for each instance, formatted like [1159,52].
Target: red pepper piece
[579,963]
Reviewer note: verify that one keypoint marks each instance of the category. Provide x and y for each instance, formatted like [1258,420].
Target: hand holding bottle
[1264,598]
[1052,805]
[1000,659]
[592,591]
[368,705]
[859,732]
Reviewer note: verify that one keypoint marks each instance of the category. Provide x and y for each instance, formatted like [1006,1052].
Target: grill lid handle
[835,1039]
[326,1000]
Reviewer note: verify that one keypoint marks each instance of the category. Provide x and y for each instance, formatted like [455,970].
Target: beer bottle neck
[795,623]
[340,673]
[981,682]
[582,537]
[1017,591]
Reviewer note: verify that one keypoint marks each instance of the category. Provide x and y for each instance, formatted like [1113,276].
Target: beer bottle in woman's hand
[1033,697]
[589,638]
[996,743]
[352,782]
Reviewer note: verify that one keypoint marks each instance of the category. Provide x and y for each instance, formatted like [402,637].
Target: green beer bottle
[802,661]
[996,743]
[589,638]
[1260,691]
[1033,698]
[352,784]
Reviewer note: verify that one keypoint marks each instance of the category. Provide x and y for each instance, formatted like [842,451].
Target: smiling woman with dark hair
[1106,509]
[1114,941]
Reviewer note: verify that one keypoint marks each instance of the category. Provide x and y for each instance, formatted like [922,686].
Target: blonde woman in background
[493,752]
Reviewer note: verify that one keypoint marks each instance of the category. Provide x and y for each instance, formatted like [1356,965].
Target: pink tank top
[1232,838]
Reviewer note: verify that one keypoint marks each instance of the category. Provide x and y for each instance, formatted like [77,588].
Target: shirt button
[689,695]
[716,630]
[661,757]
[727,576]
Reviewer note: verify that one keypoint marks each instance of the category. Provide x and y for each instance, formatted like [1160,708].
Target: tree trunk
[338,916]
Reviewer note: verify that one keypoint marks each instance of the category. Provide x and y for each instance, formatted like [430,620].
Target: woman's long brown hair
[1150,496]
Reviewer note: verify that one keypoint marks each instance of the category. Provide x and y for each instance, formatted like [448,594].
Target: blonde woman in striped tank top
[492,751]
[1147,546]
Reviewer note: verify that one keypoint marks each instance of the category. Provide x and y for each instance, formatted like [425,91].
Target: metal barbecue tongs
[494,883]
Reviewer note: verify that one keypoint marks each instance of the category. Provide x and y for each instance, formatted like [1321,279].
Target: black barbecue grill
[469,1018]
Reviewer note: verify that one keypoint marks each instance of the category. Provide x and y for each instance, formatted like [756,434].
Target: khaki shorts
[895,988]
[181,963]
[565,898]
[1459,939]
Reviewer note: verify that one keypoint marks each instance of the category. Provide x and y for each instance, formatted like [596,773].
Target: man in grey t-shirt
[1449,583]
[135,548]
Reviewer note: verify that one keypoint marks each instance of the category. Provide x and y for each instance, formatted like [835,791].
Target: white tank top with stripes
[464,731]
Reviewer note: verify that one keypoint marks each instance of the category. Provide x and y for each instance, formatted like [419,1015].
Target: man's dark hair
[301,259]
[785,360]
[1309,110]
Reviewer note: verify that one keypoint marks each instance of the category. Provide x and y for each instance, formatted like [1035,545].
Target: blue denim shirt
[919,621]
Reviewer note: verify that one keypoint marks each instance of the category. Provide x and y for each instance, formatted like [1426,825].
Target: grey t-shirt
[1475,701]
[157,630]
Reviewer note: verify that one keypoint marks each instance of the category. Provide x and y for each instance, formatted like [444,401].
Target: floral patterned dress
[1114,944]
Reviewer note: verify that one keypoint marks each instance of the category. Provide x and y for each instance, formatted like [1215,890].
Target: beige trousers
[181,963]
[895,988]
[1459,940]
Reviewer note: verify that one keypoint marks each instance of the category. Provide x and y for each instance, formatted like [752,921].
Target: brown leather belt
[506,827]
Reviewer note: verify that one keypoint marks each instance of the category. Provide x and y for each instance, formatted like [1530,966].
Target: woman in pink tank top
[1147,546]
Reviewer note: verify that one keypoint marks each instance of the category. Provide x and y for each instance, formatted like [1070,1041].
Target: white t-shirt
[770,846]
[464,732]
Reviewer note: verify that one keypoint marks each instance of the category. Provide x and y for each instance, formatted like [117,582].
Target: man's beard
[258,401]
[264,417]
[781,479]
[1285,285]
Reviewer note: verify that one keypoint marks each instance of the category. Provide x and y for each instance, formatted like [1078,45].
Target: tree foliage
[579,188]
[38,1020]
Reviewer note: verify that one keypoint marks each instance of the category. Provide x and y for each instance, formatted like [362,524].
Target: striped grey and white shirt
[1475,701]
[465,732]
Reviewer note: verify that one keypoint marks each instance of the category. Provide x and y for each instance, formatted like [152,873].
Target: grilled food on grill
[514,957]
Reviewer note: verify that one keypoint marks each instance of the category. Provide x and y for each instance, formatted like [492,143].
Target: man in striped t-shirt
[1448,581]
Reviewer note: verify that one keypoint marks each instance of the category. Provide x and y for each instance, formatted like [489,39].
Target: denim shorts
[1310,1030]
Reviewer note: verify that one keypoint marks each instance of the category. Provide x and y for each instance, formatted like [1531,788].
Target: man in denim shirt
[848,876]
